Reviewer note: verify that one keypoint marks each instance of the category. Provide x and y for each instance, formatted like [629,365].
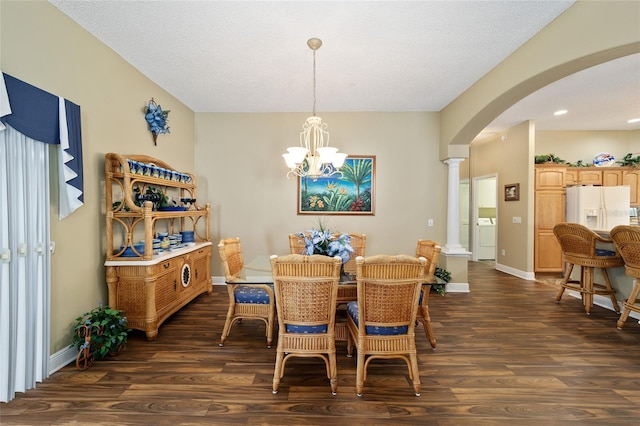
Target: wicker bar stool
[627,241]
[578,244]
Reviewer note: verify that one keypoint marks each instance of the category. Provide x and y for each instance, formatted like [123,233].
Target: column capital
[453,161]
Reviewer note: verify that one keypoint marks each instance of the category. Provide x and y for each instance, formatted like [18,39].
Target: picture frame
[512,192]
[351,191]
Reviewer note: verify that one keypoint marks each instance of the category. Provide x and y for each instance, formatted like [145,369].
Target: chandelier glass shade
[314,157]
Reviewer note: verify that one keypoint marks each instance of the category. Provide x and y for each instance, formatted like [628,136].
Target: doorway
[484,218]
[465,214]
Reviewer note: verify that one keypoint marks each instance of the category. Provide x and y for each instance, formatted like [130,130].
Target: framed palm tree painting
[351,191]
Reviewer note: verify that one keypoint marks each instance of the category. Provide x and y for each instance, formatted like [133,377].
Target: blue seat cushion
[251,294]
[603,252]
[352,310]
[306,329]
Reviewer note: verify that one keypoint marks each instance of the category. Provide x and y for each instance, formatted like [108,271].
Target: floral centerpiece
[323,241]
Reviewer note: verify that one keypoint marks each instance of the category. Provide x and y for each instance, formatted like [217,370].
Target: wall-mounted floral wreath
[157,119]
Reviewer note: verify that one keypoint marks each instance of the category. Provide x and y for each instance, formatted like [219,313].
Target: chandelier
[314,157]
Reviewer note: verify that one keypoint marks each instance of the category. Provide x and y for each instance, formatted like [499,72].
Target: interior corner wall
[243,175]
[43,47]
[509,159]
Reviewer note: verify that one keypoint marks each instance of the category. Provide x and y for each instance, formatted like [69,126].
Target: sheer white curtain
[25,262]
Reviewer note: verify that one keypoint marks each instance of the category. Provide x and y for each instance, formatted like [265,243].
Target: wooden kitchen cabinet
[583,176]
[612,176]
[147,285]
[631,177]
[550,176]
[549,210]
[589,176]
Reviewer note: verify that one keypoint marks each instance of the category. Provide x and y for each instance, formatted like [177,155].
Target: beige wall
[241,172]
[43,47]
[572,146]
[587,34]
[510,159]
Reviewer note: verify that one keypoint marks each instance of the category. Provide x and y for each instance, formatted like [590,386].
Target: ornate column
[453,208]
[455,257]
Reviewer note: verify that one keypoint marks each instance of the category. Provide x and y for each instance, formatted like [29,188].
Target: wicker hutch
[150,283]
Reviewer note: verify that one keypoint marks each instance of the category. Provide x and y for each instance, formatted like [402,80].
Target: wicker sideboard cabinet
[147,199]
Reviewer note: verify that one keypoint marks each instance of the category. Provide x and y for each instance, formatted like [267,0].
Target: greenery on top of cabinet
[580,163]
[548,158]
[627,161]
[630,160]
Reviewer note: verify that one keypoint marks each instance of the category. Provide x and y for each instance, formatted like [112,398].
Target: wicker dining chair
[253,301]
[627,241]
[578,245]
[430,250]
[382,321]
[296,244]
[306,288]
[359,244]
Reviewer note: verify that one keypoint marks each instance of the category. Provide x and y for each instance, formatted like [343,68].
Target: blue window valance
[51,119]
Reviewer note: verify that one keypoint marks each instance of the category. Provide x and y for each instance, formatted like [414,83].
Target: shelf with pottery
[135,188]
[147,279]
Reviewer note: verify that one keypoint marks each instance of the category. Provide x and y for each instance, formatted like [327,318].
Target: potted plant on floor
[443,277]
[99,333]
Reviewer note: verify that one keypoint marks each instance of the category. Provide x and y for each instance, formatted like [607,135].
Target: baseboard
[604,302]
[62,358]
[457,287]
[530,276]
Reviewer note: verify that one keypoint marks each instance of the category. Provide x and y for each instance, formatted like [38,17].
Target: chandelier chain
[314,83]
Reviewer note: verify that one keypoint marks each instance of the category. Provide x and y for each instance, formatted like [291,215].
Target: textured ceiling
[244,56]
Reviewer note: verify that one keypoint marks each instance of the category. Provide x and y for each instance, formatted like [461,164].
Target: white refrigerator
[598,207]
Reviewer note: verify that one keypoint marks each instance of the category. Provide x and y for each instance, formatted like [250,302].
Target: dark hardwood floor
[507,354]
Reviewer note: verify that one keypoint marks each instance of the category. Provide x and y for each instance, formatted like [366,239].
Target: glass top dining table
[258,271]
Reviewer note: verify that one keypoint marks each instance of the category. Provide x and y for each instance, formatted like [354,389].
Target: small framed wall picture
[512,192]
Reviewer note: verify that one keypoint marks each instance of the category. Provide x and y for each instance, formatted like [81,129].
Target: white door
[465,213]
[486,241]
[484,227]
